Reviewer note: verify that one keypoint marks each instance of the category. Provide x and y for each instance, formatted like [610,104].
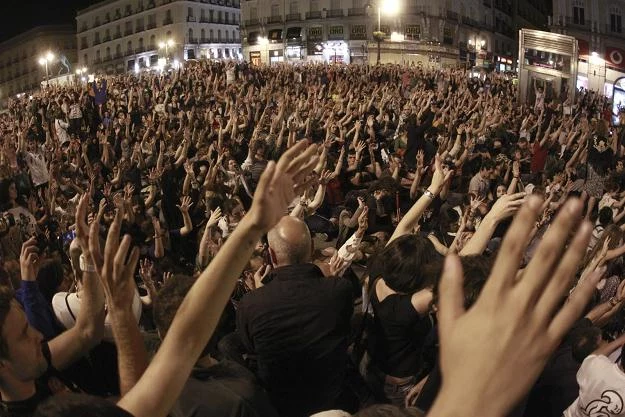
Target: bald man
[298,325]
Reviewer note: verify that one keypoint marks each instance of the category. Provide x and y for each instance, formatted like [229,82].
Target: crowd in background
[294,241]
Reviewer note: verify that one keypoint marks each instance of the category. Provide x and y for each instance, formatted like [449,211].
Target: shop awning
[294,33]
[252,38]
[275,35]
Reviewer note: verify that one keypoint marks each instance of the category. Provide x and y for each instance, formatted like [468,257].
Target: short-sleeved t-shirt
[601,389]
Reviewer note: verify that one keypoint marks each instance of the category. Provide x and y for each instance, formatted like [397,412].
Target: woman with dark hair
[401,279]
[401,294]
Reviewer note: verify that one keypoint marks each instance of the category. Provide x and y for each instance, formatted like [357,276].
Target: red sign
[615,57]
[584,49]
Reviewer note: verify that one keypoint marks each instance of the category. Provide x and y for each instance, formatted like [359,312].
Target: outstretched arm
[160,385]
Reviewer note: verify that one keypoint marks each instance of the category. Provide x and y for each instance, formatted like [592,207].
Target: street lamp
[43,61]
[166,44]
[263,40]
[390,8]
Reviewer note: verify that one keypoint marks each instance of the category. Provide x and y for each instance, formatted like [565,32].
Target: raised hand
[506,337]
[115,273]
[280,183]
[506,206]
[260,274]
[29,260]
[185,204]
[326,177]
[214,218]
[338,265]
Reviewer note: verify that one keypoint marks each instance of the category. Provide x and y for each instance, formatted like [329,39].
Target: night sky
[17,16]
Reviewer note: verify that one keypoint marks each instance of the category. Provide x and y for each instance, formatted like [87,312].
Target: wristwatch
[86,266]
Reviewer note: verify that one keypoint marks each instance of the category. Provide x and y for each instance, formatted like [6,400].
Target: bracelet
[84,265]
[429,194]
[614,301]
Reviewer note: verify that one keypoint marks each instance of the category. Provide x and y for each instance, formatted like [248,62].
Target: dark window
[578,15]
[616,23]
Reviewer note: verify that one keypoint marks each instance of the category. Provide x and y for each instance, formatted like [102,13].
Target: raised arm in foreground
[160,385]
[508,335]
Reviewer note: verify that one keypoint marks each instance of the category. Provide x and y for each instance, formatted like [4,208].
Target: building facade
[121,35]
[20,71]
[440,32]
[598,27]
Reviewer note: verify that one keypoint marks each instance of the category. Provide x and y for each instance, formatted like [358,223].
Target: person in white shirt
[601,384]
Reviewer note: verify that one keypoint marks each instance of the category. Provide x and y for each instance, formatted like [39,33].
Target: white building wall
[153,22]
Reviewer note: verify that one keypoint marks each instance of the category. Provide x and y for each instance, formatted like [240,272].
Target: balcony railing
[97,41]
[274,19]
[191,19]
[336,13]
[83,46]
[252,22]
[118,55]
[582,24]
[108,57]
[205,40]
[356,11]
[117,35]
[415,10]
[313,15]
[106,39]
[451,15]
[193,40]
[140,49]
[97,61]
[293,17]
[140,29]
[128,32]
[204,20]
[151,26]
[167,22]
[83,28]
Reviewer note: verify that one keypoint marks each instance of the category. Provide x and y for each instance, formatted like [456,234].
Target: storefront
[255,58]
[503,64]
[336,52]
[276,55]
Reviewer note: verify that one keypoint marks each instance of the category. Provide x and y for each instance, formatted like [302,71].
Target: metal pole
[47,76]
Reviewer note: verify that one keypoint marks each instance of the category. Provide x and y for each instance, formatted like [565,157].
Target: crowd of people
[234,240]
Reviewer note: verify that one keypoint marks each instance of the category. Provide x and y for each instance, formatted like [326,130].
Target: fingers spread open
[451,295]
[112,239]
[94,244]
[513,247]
[265,179]
[122,251]
[574,307]
[561,279]
[289,156]
[540,268]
